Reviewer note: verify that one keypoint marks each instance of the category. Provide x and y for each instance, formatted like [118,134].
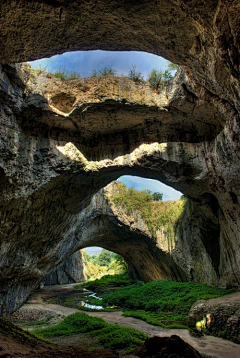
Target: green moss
[107,334]
[164,303]
[107,282]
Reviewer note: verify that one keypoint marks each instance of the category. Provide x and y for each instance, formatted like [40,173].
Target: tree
[135,75]
[155,79]
[105,257]
[172,67]
[157,196]
[167,76]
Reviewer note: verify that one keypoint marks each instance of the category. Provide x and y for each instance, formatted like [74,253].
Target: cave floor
[208,346]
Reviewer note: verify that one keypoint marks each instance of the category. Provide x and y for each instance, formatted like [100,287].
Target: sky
[85,62]
[139,183]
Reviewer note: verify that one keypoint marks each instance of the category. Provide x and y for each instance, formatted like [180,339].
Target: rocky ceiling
[53,161]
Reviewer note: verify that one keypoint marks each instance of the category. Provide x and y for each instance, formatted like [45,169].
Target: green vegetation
[105,71]
[164,303]
[158,79]
[157,196]
[157,215]
[108,335]
[172,67]
[40,69]
[66,75]
[60,73]
[108,282]
[135,75]
[163,320]
[106,262]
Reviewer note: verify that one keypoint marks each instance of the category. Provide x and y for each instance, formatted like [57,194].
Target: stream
[208,346]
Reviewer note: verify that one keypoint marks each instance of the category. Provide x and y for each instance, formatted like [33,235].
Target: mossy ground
[108,282]
[164,303]
[108,335]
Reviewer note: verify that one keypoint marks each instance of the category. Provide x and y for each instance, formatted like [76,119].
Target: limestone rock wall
[70,271]
[52,162]
[48,177]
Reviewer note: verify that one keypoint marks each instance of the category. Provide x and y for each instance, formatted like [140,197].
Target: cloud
[87,61]
[139,183]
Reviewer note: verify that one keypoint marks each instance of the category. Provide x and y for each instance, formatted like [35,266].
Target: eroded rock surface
[70,271]
[48,177]
[218,316]
[49,169]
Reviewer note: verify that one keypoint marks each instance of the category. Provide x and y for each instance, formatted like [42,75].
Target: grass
[158,319]
[63,74]
[108,335]
[156,214]
[107,282]
[164,303]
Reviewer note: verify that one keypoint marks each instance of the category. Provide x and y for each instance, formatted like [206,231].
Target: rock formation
[218,316]
[57,151]
[70,271]
[150,255]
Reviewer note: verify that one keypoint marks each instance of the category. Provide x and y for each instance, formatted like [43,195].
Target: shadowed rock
[52,164]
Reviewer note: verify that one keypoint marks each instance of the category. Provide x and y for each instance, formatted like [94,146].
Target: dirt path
[209,346]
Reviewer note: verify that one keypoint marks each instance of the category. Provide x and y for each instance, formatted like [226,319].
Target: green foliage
[170,300]
[73,324]
[158,79]
[40,69]
[155,79]
[157,196]
[63,74]
[106,262]
[105,71]
[172,67]
[115,336]
[108,282]
[164,320]
[131,199]
[157,214]
[107,334]
[135,75]
[121,262]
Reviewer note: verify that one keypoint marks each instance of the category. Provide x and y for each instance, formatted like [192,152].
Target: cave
[55,161]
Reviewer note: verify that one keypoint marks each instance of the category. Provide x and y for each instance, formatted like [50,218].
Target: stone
[53,161]
[70,271]
[219,317]
[166,347]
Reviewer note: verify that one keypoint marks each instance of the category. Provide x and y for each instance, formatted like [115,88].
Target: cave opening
[59,150]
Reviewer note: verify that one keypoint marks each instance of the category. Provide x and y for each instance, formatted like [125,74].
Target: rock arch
[50,175]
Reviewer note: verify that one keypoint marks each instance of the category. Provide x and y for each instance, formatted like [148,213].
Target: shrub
[135,75]
[40,69]
[63,74]
[105,71]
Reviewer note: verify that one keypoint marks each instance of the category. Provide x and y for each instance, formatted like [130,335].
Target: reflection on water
[88,305]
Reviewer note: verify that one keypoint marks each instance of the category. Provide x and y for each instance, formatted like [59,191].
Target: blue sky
[87,61]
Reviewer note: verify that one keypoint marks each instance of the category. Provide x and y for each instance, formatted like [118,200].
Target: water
[88,305]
